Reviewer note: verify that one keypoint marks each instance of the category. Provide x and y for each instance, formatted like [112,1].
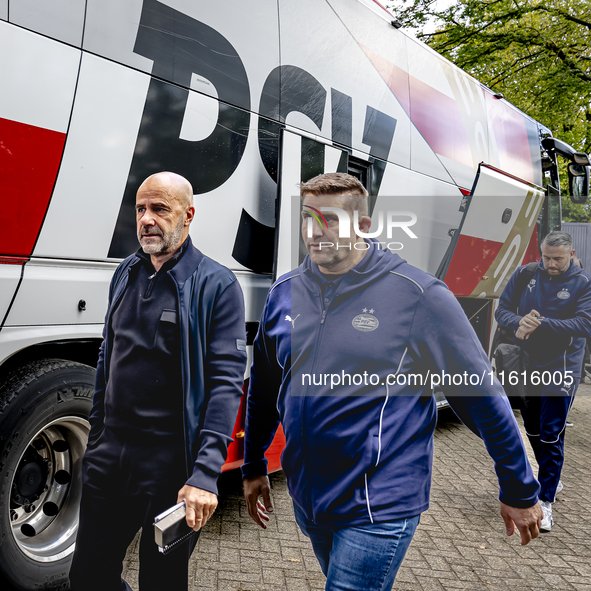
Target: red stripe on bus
[436,115]
[13,260]
[235,457]
[471,261]
[29,161]
[511,138]
[532,253]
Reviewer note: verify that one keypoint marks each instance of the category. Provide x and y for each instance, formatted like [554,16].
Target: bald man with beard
[169,381]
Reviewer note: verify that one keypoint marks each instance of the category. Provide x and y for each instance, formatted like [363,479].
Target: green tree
[575,212]
[537,53]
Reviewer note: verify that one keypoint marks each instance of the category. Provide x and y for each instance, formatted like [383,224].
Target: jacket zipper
[183,385]
[113,305]
[304,434]
[305,408]
[151,283]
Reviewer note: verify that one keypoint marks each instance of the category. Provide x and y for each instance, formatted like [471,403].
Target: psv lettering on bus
[208,163]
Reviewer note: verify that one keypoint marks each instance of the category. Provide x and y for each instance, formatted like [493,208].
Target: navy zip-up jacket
[362,453]
[213,359]
[565,302]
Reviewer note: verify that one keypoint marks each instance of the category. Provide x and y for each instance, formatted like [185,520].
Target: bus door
[499,219]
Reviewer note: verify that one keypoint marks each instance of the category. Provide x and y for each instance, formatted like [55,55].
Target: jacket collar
[570,272]
[376,263]
[189,258]
[187,264]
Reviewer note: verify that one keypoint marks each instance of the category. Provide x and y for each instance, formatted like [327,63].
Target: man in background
[552,317]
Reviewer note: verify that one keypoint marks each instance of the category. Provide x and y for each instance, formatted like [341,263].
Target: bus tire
[44,409]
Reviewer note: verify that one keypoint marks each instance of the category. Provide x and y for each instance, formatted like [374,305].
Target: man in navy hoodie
[552,318]
[343,355]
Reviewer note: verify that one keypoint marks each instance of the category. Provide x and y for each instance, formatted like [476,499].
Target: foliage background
[537,53]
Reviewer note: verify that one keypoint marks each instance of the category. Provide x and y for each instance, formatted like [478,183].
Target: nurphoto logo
[392,219]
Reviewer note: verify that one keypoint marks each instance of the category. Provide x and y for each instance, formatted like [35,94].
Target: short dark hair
[559,239]
[338,183]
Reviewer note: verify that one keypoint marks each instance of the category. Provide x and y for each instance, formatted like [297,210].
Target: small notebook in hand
[171,529]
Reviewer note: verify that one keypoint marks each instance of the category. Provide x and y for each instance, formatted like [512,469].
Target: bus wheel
[44,408]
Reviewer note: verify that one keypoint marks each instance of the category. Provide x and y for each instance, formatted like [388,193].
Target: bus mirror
[581,158]
[578,182]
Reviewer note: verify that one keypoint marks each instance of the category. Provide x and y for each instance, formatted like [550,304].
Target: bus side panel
[62,20]
[99,149]
[461,123]
[10,275]
[250,28]
[205,133]
[388,51]
[19,338]
[437,207]
[509,133]
[61,293]
[38,78]
[376,124]
[435,204]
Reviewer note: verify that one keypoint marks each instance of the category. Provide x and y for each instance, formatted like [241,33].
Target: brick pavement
[459,545]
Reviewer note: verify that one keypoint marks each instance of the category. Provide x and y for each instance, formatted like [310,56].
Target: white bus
[245,98]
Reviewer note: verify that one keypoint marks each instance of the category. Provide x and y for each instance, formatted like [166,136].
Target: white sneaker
[559,487]
[547,521]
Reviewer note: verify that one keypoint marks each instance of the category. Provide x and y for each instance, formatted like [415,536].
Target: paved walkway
[459,545]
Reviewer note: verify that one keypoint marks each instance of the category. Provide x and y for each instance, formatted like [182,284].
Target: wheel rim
[46,490]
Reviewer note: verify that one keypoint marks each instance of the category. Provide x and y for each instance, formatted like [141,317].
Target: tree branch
[564,14]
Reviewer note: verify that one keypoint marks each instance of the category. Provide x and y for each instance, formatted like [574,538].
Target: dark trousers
[545,422]
[125,485]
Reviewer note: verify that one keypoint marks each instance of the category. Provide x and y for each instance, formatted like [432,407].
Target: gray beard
[169,241]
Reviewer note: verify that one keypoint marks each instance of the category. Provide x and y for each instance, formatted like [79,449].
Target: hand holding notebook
[171,529]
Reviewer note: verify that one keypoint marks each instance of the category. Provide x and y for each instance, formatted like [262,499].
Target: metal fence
[581,234]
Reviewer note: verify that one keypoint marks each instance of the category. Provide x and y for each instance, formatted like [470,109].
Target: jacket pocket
[167,330]
[372,452]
